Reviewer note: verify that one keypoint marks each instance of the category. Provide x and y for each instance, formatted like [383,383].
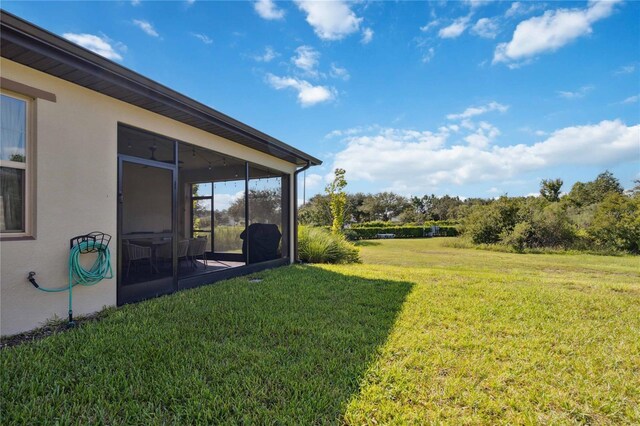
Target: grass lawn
[419,333]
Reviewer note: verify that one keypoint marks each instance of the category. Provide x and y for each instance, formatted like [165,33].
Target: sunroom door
[147,197]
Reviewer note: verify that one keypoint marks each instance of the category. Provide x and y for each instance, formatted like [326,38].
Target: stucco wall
[76,190]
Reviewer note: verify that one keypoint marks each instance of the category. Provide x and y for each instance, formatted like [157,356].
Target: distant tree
[444,208]
[616,223]
[585,194]
[384,206]
[606,183]
[354,211]
[264,206]
[635,191]
[550,189]
[337,200]
[316,211]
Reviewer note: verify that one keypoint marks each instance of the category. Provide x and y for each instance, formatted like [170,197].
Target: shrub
[616,223]
[520,237]
[488,223]
[317,245]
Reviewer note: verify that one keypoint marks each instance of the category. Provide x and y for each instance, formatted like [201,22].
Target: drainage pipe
[295,210]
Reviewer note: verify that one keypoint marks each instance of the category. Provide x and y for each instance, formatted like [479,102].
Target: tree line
[597,214]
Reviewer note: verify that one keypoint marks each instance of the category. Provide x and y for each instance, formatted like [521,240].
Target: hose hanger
[94,242]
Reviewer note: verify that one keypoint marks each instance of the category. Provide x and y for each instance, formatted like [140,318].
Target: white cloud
[483,109]
[146,27]
[267,9]
[331,20]
[268,55]
[313,180]
[514,9]
[477,3]
[580,93]
[306,59]
[135,2]
[455,29]
[190,2]
[96,44]
[631,99]
[415,162]
[430,25]
[367,36]
[520,8]
[551,31]
[428,55]
[224,201]
[308,94]
[486,27]
[627,69]
[338,72]
[483,136]
[203,38]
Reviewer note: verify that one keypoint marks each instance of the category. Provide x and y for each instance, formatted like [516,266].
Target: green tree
[384,206]
[337,200]
[616,223]
[585,194]
[316,211]
[635,191]
[550,189]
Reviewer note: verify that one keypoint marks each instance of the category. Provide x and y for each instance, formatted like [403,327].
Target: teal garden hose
[99,270]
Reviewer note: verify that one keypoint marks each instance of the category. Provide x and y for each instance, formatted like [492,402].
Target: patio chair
[133,252]
[165,254]
[197,247]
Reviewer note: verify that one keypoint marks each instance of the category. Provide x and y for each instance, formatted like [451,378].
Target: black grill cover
[264,239]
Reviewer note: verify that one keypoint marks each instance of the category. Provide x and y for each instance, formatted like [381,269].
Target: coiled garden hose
[100,270]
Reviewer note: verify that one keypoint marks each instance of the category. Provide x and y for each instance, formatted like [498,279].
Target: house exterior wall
[76,193]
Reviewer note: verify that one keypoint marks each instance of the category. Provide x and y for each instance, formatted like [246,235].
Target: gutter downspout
[295,211]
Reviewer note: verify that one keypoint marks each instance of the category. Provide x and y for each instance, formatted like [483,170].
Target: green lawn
[419,333]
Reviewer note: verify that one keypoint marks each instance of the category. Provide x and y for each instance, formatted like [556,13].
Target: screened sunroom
[187,213]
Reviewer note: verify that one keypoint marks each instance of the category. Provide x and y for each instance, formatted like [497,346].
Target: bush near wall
[368,233]
[319,245]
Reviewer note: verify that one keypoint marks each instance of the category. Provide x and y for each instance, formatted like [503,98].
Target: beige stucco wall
[76,191]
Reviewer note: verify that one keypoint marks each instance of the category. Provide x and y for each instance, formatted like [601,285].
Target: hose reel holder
[93,242]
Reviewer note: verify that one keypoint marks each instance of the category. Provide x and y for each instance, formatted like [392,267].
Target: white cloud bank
[551,31]
[308,94]
[100,45]
[267,9]
[412,162]
[330,20]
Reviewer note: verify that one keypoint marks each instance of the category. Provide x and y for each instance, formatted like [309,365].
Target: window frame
[29,169]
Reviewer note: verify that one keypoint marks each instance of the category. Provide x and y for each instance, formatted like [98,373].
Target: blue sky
[469,98]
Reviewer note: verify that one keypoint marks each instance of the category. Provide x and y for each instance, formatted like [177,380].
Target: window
[14,165]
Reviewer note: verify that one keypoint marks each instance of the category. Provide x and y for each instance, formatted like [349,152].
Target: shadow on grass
[291,349]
